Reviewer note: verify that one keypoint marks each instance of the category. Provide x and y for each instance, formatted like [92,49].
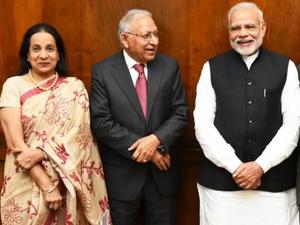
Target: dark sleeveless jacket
[248,115]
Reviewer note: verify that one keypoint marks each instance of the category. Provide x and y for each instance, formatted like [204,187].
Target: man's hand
[144,148]
[162,162]
[248,175]
[27,158]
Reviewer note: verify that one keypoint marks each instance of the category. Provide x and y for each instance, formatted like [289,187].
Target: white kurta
[247,205]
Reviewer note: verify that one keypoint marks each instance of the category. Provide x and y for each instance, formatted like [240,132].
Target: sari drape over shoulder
[58,122]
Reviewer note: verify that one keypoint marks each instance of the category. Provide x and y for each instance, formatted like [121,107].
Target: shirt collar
[250,59]
[130,61]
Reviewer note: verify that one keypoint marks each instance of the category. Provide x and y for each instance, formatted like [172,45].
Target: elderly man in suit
[139,109]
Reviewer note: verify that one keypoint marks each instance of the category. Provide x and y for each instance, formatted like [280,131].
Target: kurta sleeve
[214,146]
[286,138]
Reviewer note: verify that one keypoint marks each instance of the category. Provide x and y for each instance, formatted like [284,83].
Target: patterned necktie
[141,87]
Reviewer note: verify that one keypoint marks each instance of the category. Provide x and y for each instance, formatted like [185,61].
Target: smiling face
[133,42]
[43,55]
[246,31]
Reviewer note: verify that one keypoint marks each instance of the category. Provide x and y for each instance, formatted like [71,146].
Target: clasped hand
[248,175]
[53,199]
[27,158]
[162,162]
[145,149]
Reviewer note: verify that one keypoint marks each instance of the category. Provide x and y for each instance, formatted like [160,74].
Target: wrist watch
[161,150]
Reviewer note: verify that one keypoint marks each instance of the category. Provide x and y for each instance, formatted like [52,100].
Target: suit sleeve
[172,127]
[104,126]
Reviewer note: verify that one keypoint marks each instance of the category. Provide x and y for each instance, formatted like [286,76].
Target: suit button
[249,82]
[249,140]
[250,121]
[249,102]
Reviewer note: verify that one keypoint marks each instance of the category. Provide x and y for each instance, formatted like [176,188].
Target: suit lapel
[122,76]
[155,73]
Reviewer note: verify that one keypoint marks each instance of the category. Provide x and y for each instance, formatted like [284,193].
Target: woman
[53,173]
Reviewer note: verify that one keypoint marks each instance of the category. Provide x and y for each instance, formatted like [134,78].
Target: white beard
[249,50]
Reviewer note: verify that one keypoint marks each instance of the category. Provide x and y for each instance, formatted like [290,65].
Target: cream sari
[57,121]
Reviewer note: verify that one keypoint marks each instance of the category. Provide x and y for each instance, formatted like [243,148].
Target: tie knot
[139,68]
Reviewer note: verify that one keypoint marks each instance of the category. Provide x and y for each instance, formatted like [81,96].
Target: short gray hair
[131,15]
[246,5]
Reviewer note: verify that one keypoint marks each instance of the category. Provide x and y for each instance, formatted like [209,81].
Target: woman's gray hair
[246,5]
[131,15]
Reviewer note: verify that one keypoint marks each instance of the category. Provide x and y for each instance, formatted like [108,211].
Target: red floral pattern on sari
[75,177]
[84,137]
[84,200]
[103,203]
[61,152]
[41,136]
[58,110]
[68,218]
[51,219]
[11,213]
[32,210]
[28,123]
[89,167]
[5,180]
[83,99]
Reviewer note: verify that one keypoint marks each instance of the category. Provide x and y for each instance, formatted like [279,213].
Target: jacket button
[249,82]
[249,102]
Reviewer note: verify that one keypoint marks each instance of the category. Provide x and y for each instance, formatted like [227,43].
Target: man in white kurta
[250,203]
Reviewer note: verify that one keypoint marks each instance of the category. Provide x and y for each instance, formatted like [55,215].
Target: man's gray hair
[246,5]
[131,15]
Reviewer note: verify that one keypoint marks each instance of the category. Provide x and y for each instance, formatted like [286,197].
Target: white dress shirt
[217,150]
[130,62]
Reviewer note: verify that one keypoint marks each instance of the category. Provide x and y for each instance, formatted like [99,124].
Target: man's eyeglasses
[147,37]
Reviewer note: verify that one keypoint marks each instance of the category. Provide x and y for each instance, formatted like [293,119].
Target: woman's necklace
[40,87]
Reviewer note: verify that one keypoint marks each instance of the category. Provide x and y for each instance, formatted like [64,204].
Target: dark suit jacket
[298,164]
[118,121]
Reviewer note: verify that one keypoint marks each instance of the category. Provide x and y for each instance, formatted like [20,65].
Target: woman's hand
[53,199]
[27,158]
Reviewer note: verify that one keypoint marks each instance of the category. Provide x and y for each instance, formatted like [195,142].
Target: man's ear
[123,40]
[264,28]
